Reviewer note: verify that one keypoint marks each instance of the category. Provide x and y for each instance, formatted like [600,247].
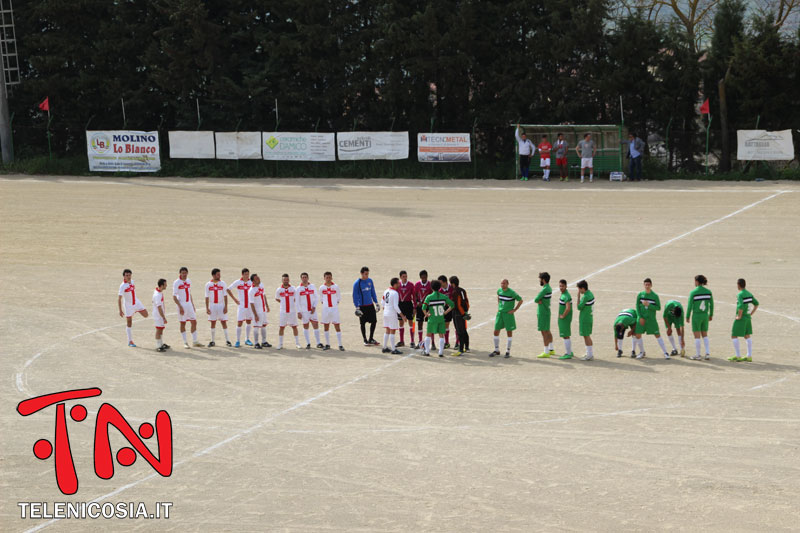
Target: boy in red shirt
[544,153]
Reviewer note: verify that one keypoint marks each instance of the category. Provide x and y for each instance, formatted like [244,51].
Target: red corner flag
[45,104]
[704,108]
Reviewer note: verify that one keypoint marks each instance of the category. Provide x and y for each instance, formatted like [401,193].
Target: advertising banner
[238,144]
[763,145]
[298,146]
[123,151]
[191,145]
[443,147]
[353,145]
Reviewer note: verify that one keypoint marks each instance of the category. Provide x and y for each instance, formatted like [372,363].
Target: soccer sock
[697,346]
[663,346]
[749,347]
[129,333]
[372,330]
[316,335]
[403,335]
[194,336]
[508,343]
[590,351]
[496,343]
[213,333]
[672,342]
[550,347]
[296,341]
[447,336]
[428,344]
[419,332]
[327,337]
[385,340]
[391,341]
[247,332]
[339,337]
[364,331]
[159,343]
[568,345]
[225,331]
[639,343]
[308,337]
[441,346]
[238,333]
[705,341]
[591,176]
[183,334]
[280,341]
[736,347]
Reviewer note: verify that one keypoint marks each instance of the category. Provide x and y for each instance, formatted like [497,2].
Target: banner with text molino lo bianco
[443,147]
[353,145]
[298,146]
[123,151]
[763,145]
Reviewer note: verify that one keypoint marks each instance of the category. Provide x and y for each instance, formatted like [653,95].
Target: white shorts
[287,319]
[244,314]
[586,162]
[131,309]
[330,315]
[391,321]
[159,322]
[188,313]
[309,317]
[262,321]
[217,312]
[545,162]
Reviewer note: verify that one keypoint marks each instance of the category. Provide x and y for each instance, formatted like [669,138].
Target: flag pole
[49,145]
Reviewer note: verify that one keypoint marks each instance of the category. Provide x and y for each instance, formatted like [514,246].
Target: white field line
[656,247]
[380,369]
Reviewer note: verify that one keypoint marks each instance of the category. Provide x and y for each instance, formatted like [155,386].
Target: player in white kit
[182,296]
[307,309]
[391,316]
[160,314]
[286,296]
[127,293]
[217,306]
[329,297]
[243,314]
[259,307]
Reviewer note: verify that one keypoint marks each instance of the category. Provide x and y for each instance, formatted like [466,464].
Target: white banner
[298,146]
[191,145]
[763,145]
[238,144]
[443,147]
[354,145]
[123,151]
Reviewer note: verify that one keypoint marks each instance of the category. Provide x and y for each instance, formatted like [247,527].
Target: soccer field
[305,440]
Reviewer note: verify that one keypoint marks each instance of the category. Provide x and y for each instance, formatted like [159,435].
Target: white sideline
[392,363]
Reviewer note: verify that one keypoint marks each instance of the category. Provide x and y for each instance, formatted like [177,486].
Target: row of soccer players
[294,303]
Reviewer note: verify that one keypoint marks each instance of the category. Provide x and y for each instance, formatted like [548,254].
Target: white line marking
[771,383]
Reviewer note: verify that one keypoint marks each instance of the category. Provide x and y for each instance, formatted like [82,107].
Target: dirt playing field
[302,440]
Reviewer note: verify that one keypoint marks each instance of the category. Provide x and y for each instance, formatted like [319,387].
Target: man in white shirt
[330,296]
[307,309]
[526,151]
[244,314]
[286,296]
[182,296]
[217,305]
[391,316]
[127,294]
[159,314]
[259,308]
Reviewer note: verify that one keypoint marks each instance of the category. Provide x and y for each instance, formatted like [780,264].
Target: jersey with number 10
[435,303]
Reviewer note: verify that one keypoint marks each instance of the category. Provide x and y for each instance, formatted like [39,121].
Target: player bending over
[586,317]
[647,303]
[286,296]
[543,315]
[244,313]
[627,319]
[307,305]
[159,315]
[436,306]
[391,316]
[505,316]
[259,308]
[127,293]
[330,296]
[701,312]
[673,318]
[182,296]
[217,306]
[743,324]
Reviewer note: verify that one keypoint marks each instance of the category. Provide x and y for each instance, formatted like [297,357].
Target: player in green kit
[543,314]
[700,312]
[627,318]
[436,306]
[647,303]
[505,316]
[673,318]
[586,317]
[743,324]
[565,318]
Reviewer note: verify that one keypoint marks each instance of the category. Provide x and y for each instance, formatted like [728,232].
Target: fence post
[199,121]
[474,153]
[669,156]
[708,133]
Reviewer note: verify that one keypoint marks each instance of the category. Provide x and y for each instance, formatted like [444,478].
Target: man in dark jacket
[460,316]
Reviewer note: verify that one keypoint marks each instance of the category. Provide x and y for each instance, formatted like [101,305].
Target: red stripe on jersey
[133,293]
[329,293]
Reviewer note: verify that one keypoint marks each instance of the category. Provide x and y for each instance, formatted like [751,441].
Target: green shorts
[675,322]
[564,328]
[650,327]
[699,322]
[505,320]
[543,321]
[742,327]
[435,326]
[585,327]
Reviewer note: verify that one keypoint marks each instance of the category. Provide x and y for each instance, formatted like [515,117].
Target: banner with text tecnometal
[354,145]
[123,151]
[443,147]
[298,146]
[763,145]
